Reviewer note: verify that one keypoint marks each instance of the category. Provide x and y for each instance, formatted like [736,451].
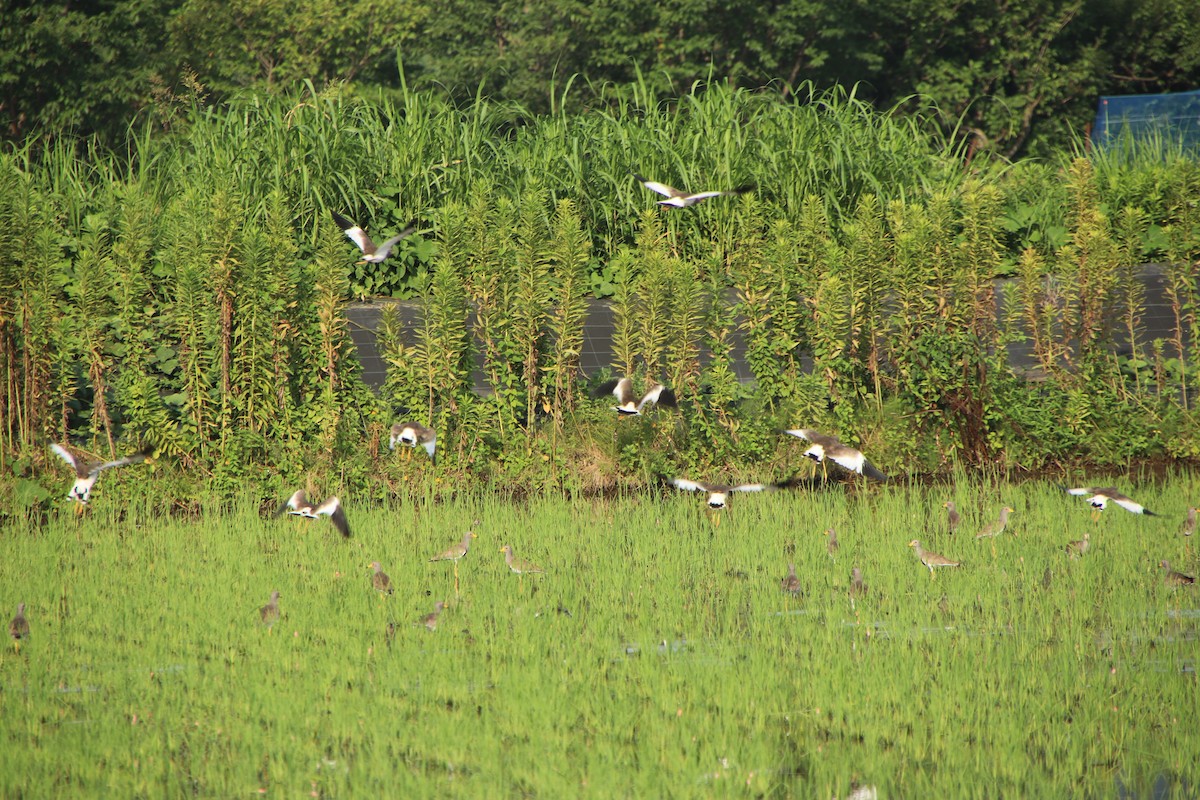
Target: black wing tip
[338,518]
[279,511]
[341,221]
[605,388]
[874,473]
[745,187]
[1147,512]
[668,399]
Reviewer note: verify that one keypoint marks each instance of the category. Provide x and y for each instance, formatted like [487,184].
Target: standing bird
[931,560]
[1172,578]
[413,434]
[677,198]
[298,505]
[519,565]
[857,587]
[952,516]
[18,628]
[995,528]
[87,474]
[832,545]
[1189,525]
[629,404]
[790,584]
[269,614]
[823,446]
[372,253]
[1098,498]
[455,553]
[430,620]
[380,581]
[1077,549]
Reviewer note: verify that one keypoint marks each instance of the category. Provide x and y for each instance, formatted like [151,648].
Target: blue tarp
[1174,117]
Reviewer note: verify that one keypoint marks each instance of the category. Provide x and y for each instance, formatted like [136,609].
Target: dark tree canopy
[1022,75]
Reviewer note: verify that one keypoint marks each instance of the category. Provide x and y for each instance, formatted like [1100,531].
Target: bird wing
[691,486]
[354,233]
[808,434]
[623,391]
[605,389]
[698,196]
[385,248]
[1082,491]
[65,455]
[294,502]
[654,395]
[431,446]
[1129,505]
[661,188]
[752,487]
[338,518]
[136,458]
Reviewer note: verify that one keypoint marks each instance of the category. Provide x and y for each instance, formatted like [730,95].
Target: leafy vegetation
[1019,78]
[195,295]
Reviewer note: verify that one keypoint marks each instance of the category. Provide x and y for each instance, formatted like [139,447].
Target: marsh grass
[680,670]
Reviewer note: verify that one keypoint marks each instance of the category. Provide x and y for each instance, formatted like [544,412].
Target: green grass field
[679,669]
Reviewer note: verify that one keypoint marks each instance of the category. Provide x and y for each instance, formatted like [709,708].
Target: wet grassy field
[655,657]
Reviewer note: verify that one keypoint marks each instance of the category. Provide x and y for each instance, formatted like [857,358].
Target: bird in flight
[677,198]
[86,474]
[1098,498]
[413,434]
[628,403]
[298,505]
[372,253]
[825,446]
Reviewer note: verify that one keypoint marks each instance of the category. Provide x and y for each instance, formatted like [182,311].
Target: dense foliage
[1020,75]
[194,293]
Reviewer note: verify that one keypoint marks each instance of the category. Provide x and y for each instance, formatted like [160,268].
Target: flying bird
[628,404]
[1098,499]
[677,198]
[718,493]
[298,505]
[87,474]
[823,446]
[414,434]
[372,253]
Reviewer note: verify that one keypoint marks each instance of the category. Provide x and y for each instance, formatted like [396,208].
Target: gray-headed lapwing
[18,628]
[414,434]
[823,446]
[931,560]
[678,198]
[372,253]
[1098,498]
[298,505]
[629,404]
[86,474]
